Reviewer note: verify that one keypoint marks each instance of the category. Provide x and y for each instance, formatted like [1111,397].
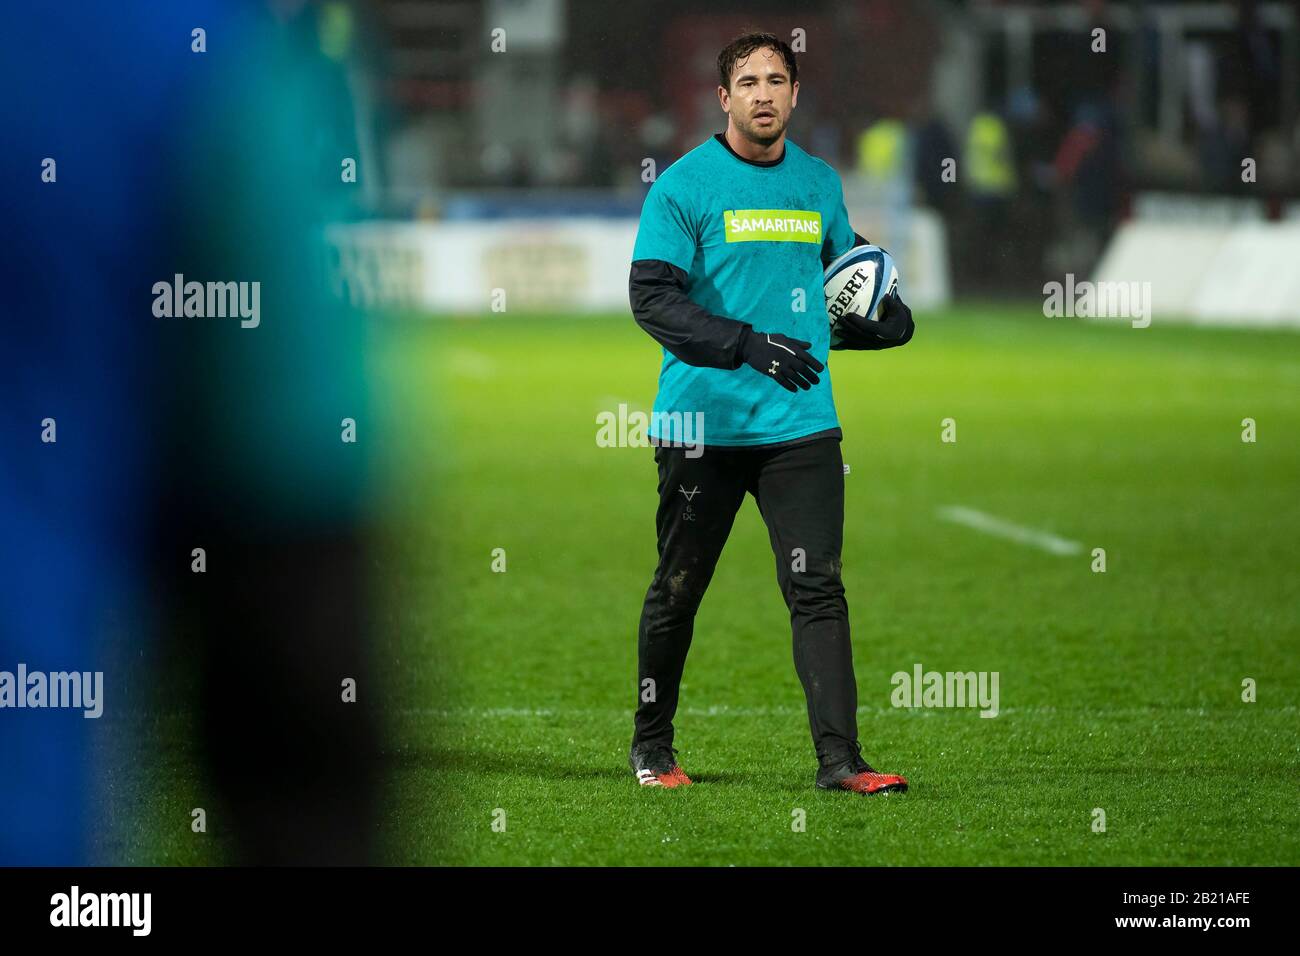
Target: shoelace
[663,756]
[856,763]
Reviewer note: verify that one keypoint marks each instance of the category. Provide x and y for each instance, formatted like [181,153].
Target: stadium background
[469,298]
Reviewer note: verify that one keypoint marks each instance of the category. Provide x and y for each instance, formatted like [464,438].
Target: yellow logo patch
[772,225]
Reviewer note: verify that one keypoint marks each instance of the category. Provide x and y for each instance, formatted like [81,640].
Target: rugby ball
[857,283]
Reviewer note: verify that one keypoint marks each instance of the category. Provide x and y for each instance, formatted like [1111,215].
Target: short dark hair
[747,43]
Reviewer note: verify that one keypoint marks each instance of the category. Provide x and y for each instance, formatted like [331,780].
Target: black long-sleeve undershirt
[695,335]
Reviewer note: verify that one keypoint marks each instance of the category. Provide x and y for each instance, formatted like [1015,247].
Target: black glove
[895,328]
[785,359]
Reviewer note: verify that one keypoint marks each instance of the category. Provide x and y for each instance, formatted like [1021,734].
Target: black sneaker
[857,776]
[655,765]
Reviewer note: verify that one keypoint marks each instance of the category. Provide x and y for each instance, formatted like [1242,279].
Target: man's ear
[725,99]
[794,94]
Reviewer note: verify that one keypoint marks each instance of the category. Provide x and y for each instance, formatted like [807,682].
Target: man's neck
[756,152]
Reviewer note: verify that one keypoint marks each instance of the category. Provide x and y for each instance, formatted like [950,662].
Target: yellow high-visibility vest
[882,150]
[990,169]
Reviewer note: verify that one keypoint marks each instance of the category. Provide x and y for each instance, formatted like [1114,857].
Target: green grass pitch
[511,694]
[1120,690]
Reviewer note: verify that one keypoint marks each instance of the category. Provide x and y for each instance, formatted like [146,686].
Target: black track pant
[800,493]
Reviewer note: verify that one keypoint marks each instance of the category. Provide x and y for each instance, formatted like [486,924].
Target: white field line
[536,712]
[533,713]
[1001,528]
[467,363]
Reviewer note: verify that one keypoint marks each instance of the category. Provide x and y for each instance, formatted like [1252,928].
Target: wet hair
[747,43]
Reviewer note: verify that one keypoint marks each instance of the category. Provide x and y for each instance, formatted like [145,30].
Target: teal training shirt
[752,240]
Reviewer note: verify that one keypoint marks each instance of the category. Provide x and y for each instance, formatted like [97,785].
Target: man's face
[761,97]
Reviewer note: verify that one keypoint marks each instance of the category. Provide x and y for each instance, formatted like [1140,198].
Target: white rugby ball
[857,283]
